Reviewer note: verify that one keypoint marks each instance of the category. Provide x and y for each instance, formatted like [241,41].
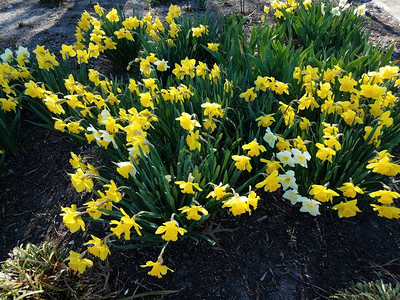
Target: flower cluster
[186,138]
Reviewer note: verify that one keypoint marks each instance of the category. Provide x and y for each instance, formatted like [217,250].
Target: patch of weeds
[369,291]
[23,24]
[41,272]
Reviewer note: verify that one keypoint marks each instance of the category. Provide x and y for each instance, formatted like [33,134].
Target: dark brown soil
[31,196]
[277,253]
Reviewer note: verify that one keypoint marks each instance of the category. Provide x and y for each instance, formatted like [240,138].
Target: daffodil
[76,161]
[242,162]
[237,204]
[310,206]
[272,165]
[72,218]
[170,230]
[78,263]
[288,180]
[126,168]
[291,195]
[384,167]
[254,148]
[286,158]
[389,212]
[350,190]
[124,226]
[322,194]
[187,186]
[82,181]
[186,122]
[193,211]
[304,123]
[157,268]
[212,110]
[213,46]
[112,15]
[385,196]
[347,83]
[219,192]
[248,95]
[347,209]
[300,158]
[270,138]
[98,248]
[265,121]
[324,153]
[283,145]
[271,182]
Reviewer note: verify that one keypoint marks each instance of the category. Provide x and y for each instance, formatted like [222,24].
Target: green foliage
[314,109]
[9,128]
[185,44]
[126,50]
[202,4]
[369,291]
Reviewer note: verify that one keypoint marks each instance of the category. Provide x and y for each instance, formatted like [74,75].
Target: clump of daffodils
[207,140]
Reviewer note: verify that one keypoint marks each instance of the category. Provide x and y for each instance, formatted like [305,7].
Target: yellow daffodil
[350,190]
[347,209]
[98,248]
[242,162]
[271,183]
[254,148]
[193,211]
[322,194]
[265,121]
[72,218]
[77,263]
[219,192]
[248,95]
[389,212]
[385,196]
[157,268]
[170,230]
[124,226]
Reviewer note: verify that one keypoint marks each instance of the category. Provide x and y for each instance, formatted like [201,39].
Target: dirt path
[392,7]
[29,22]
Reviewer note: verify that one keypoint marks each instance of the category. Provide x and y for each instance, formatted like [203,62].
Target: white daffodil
[288,180]
[95,132]
[301,158]
[7,56]
[109,138]
[336,11]
[105,116]
[23,52]
[310,206]
[360,11]
[270,137]
[285,157]
[291,195]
